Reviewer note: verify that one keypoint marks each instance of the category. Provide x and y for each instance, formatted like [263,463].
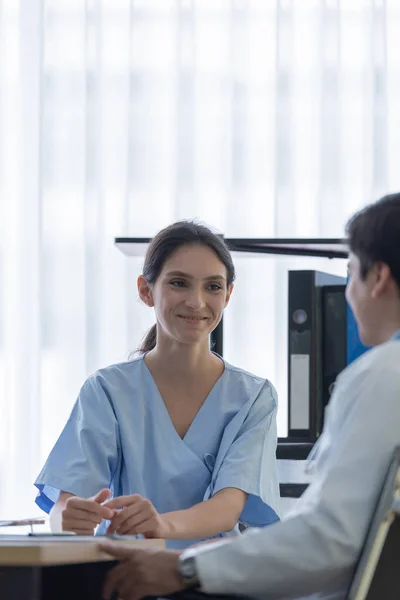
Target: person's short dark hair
[173,237]
[373,235]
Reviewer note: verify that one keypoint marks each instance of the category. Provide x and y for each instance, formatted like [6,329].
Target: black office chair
[377,573]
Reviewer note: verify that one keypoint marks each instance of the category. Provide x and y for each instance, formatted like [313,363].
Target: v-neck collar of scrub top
[200,417]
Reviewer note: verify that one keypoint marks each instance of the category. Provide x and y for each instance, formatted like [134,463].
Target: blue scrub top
[120,436]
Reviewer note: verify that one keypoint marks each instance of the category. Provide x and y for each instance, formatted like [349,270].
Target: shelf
[322,247]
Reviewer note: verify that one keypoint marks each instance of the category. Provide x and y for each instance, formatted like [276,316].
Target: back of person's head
[374,235]
[170,239]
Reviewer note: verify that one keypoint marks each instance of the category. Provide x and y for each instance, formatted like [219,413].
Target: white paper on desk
[60,538]
[293,471]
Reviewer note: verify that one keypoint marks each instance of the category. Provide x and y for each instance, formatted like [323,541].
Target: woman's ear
[145,291]
[228,294]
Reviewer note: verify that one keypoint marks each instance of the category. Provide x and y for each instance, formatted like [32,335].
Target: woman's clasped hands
[135,515]
[128,515]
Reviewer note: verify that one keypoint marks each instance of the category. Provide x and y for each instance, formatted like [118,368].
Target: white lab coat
[313,551]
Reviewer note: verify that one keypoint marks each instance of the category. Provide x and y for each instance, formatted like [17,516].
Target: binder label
[300,391]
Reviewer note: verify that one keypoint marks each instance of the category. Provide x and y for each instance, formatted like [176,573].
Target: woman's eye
[178,283]
[215,287]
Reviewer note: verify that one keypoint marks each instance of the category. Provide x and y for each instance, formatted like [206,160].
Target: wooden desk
[55,567]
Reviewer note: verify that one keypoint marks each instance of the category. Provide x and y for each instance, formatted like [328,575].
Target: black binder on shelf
[306,319]
[334,337]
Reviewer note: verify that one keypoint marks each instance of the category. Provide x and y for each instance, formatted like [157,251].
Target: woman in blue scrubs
[177,443]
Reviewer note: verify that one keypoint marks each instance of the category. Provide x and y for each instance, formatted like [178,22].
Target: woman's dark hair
[166,242]
[374,235]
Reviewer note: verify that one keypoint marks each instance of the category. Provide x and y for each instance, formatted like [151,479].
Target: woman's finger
[137,525]
[123,501]
[75,503]
[137,510]
[81,515]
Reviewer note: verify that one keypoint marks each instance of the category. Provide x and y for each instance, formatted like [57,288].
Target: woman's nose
[195,299]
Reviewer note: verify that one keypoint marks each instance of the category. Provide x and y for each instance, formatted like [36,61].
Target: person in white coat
[313,551]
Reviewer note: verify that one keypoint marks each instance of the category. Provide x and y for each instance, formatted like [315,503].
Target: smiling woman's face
[190,294]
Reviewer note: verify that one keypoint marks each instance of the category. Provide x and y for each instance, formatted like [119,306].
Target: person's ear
[382,278]
[228,294]
[145,291]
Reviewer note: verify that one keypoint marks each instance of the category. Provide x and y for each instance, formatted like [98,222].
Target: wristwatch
[188,570]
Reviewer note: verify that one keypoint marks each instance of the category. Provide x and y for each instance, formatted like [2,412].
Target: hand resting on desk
[141,572]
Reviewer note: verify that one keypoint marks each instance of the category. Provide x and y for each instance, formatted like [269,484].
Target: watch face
[188,571]
[188,567]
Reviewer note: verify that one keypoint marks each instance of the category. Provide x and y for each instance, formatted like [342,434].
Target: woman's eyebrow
[187,276]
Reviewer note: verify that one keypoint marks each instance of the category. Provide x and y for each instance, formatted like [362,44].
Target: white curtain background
[117,117]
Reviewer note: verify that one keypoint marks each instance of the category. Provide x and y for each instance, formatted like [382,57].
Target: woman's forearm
[217,515]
